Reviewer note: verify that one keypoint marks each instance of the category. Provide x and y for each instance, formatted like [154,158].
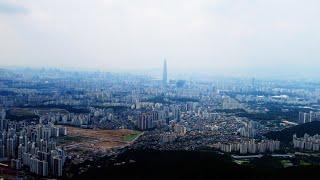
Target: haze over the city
[159,89]
[254,38]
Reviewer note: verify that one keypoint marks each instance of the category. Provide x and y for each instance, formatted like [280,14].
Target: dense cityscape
[159,90]
[53,120]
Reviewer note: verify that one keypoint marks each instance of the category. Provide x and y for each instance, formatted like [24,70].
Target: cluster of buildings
[248,130]
[178,131]
[158,118]
[311,143]
[250,146]
[80,119]
[168,137]
[229,103]
[32,147]
[207,109]
[308,117]
[150,120]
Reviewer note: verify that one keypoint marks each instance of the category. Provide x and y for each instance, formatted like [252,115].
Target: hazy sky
[213,36]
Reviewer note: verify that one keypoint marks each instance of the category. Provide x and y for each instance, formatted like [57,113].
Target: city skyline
[55,122]
[159,89]
[212,37]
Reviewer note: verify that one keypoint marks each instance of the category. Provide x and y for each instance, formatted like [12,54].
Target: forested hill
[285,136]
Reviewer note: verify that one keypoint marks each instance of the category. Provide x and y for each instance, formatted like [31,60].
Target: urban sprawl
[52,119]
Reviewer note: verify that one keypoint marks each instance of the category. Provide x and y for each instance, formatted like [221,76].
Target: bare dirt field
[96,140]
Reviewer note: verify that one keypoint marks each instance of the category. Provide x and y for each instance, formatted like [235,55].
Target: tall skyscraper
[165,75]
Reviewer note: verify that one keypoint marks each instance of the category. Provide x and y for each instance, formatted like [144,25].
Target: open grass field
[286,163]
[304,163]
[130,137]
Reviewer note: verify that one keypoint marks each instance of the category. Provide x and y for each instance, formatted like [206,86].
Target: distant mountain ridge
[285,136]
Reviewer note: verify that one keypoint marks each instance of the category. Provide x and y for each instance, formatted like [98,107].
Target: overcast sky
[214,36]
